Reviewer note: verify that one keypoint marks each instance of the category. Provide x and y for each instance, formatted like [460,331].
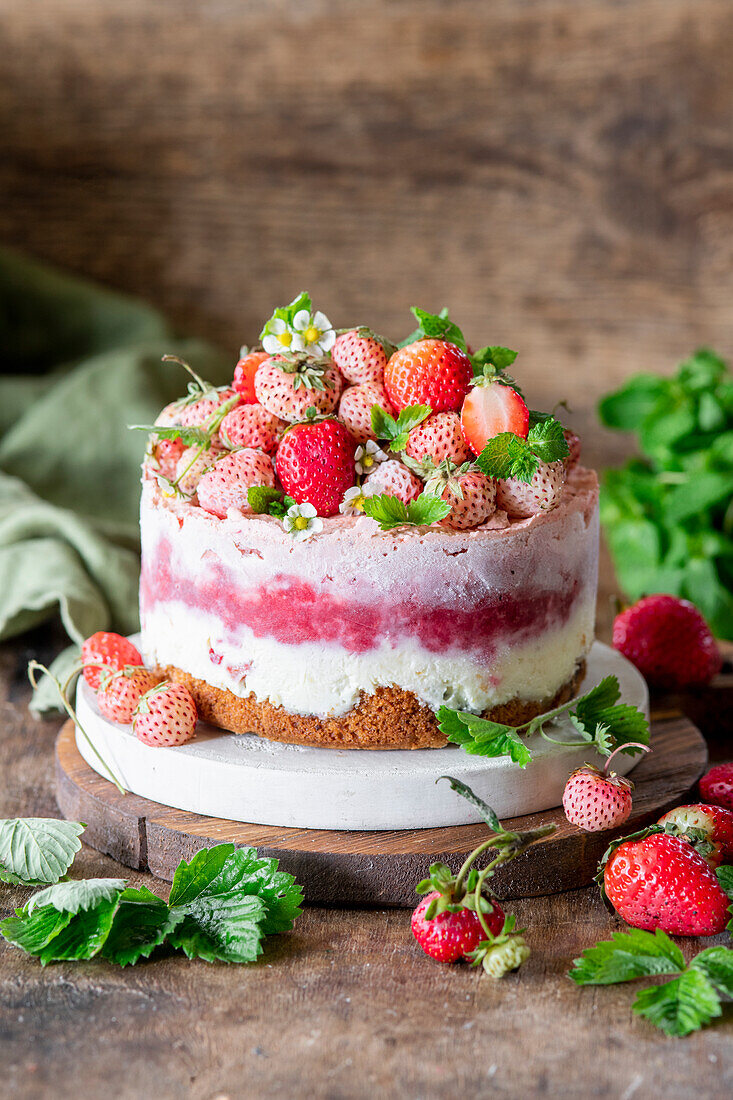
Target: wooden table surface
[344,1006]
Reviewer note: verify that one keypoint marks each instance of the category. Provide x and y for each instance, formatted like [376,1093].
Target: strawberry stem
[36,666]
[620,748]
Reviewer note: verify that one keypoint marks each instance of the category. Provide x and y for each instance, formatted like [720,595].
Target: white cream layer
[326,681]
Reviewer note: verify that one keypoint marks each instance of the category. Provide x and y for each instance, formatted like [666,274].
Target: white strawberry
[355,408]
[193,464]
[120,690]
[521,499]
[594,801]
[288,386]
[165,716]
[196,414]
[225,485]
[438,437]
[251,426]
[361,356]
[471,494]
[573,442]
[393,477]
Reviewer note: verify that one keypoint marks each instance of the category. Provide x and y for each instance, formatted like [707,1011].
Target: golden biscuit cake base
[390,718]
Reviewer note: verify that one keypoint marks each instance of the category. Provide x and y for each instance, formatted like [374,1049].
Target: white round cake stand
[247,778]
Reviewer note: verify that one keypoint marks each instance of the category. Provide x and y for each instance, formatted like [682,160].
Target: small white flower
[368,456]
[301,521]
[279,338]
[312,333]
[353,502]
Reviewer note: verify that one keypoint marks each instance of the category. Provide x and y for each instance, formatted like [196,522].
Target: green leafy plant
[598,718]
[389,511]
[685,1003]
[507,455]
[37,850]
[221,906]
[668,515]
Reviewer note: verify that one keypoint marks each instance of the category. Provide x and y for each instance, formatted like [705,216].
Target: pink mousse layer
[352,587]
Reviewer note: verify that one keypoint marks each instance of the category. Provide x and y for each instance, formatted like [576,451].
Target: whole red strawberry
[244,375]
[660,881]
[714,822]
[428,372]
[315,463]
[669,642]
[716,785]
[121,691]
[108,650]
[594,801]
[165,716]
[451,936]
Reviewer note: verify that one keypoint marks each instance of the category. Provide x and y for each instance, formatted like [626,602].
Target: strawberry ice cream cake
[354,534]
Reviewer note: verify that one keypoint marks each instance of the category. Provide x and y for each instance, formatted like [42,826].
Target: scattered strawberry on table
[669,642]
[165,716]
[454,434]
[106,650]
[716,785]
[459,918]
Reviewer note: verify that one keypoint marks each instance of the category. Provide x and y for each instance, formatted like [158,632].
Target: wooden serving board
[370,868]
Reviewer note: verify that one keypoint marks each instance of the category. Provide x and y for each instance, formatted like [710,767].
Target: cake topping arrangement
[340,418]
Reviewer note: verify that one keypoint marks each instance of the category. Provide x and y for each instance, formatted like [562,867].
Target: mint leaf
[141,924]
[481,737]
[261,497]
[630,405]
[483,808]
[37,850]
[681,1006]
[217,919]
[387,510]
[716,963]
[395,431]
[436,326]
[626,956]
[71,897]
[427,509]
[506,455]
[547,441]
[499,357]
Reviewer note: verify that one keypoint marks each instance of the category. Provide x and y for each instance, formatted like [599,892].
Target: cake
[351,536]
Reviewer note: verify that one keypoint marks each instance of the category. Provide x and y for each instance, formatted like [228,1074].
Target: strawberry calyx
[143,706]
[441,476]
[366,333]
[697,838]
[106,674]
[310,372]
[498,954]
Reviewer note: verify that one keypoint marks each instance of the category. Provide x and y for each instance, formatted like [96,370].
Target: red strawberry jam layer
[292,611]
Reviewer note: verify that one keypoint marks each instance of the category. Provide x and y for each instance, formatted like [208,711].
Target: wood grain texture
[370,868]
[559,171]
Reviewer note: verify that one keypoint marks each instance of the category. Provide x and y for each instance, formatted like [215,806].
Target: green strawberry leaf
[141,924]
[483,808]
[395,431]
[481,737]
[496,356]
[427,509]
[627,956]
[680,1006]
[72,897]
[80,937]
[33,934]
[37,850]
[287,313]
[388,511]
[190,437]
[716,963]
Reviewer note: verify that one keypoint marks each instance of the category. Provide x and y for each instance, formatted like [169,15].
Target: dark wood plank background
[559,171]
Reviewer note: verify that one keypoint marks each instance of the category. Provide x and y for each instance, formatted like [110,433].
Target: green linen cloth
[79,364]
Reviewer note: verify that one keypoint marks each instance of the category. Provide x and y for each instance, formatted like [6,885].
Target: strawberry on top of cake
[354,533]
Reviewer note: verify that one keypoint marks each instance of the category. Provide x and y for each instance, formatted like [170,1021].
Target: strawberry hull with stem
[475,618]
